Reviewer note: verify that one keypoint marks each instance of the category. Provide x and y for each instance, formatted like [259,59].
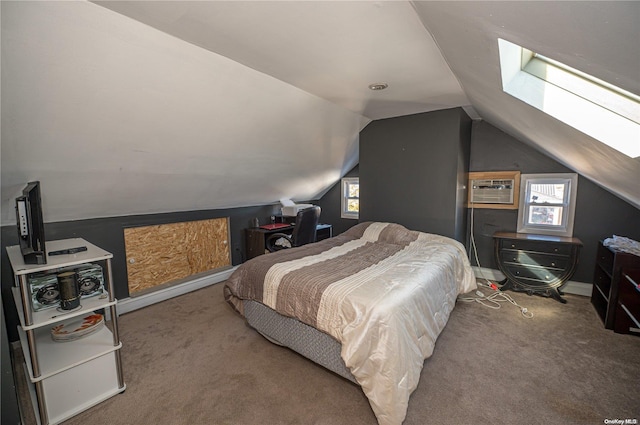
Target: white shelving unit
[67,378]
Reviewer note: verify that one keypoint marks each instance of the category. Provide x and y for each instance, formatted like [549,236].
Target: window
[350,197]
[547,203]
[595,107]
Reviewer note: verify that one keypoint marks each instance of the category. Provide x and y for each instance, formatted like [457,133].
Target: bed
[367,304]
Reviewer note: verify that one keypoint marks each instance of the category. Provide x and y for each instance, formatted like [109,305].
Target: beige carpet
[192,360]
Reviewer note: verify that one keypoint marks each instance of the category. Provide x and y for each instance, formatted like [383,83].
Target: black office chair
[304,231]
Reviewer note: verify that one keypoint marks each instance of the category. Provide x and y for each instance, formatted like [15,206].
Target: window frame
[344,203]
[570,181]
[572,97]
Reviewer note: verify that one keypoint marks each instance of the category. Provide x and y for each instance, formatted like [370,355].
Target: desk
[257,236]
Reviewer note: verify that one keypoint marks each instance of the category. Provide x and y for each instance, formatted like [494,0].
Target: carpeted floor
[192,360]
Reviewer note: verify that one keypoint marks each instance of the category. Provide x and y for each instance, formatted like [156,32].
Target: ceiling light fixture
[378,86]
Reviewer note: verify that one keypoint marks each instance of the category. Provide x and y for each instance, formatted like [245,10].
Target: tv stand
[66,378]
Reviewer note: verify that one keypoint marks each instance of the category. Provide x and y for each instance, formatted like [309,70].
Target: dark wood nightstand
[536,264]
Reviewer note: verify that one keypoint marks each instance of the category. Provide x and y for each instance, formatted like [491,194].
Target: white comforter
[386,312]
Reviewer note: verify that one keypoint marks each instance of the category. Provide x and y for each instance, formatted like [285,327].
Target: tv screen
[31,224]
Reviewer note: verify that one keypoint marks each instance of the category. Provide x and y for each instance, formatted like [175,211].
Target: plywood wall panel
[160,254]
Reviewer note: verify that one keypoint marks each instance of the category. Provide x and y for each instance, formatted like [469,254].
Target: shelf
[72,375]
[93,253]
[64,388]
[55,357]
[53,315]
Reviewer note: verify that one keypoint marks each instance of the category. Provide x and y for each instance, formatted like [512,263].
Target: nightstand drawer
[533,259]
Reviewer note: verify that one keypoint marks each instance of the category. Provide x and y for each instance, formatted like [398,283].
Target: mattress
[382,292]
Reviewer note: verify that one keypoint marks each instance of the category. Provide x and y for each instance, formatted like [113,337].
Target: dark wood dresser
[627,320]
[536,264]
[607,280]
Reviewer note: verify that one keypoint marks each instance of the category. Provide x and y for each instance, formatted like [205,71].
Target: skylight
[595,107]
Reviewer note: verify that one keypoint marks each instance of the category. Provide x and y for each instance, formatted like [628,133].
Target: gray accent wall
[599,214]
[108,234]
[412,171]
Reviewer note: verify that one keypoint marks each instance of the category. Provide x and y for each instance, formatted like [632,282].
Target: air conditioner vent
[494,189]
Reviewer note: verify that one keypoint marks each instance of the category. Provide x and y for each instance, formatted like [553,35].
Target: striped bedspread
[384,292]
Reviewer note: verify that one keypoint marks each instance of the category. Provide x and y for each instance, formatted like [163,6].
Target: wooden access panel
[164,253]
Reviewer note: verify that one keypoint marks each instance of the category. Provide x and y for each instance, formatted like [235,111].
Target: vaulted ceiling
[153,106]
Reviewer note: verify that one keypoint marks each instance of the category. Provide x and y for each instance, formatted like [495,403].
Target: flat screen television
[31,224]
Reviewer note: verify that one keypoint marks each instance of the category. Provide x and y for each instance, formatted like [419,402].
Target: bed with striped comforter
[383,291]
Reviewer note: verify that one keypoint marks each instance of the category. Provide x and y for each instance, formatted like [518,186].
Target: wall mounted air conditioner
[495,189]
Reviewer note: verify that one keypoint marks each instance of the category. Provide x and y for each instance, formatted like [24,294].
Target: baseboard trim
[571,287]
[130,304]
[134,303]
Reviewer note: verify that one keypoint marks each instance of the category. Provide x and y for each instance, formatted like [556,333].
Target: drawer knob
[553,264]
[513,246]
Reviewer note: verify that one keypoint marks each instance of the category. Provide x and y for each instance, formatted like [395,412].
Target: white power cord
[494,299]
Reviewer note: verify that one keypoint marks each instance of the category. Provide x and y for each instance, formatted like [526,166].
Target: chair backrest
[304,231]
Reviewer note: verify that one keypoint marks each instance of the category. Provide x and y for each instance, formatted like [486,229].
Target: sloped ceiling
[599,38]
[138,107]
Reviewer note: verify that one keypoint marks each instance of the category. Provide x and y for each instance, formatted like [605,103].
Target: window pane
[551,216]
[546,193]
[354,190]
[350,205]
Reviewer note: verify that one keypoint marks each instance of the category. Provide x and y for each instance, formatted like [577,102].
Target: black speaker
[69,293]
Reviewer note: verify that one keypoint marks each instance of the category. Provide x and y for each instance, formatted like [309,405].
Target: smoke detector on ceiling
[378,86]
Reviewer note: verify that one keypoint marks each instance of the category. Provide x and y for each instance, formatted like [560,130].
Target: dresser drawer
[602,280]
[534,259]
[605,258]
[628,309]
[543,275]
[544,247]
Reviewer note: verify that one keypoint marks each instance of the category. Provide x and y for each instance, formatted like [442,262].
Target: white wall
[116,118]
